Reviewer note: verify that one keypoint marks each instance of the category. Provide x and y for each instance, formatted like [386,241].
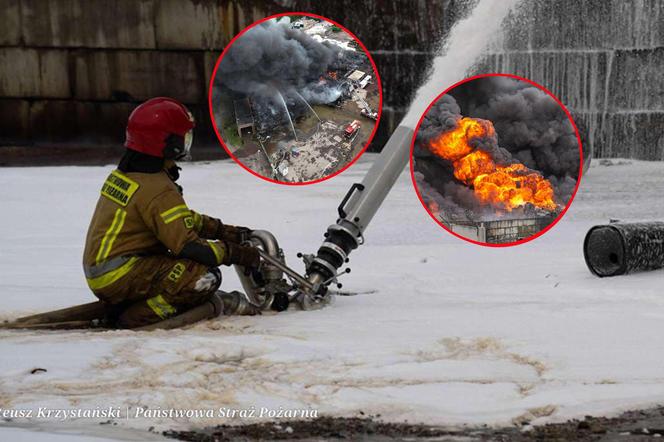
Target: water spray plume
[467,40]
[290,120]
[308,105]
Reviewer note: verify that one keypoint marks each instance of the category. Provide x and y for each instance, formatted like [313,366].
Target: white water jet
[308,105]
[466,42]
[287,113]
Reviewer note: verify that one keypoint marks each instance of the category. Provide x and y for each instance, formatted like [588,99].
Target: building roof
[356,75]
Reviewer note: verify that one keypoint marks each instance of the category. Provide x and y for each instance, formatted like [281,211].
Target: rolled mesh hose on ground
[621,248]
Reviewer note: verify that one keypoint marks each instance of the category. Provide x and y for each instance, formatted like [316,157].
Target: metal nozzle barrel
[359,206]
[621,248]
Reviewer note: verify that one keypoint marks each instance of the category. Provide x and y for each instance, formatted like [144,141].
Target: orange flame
[509,186]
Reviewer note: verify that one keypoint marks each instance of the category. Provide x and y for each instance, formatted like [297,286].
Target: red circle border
[371,136]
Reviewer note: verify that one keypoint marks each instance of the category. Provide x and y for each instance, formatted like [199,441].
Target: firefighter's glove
[245,256]
[234,234]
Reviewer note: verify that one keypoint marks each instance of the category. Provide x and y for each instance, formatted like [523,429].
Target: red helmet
[161,127]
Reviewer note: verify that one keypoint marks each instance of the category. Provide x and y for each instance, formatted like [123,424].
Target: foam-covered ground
[454,334]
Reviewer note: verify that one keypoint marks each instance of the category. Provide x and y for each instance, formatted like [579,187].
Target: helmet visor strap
[178,146]
[188,140]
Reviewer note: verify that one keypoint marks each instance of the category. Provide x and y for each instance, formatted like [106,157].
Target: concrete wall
[72,70]
[604,59]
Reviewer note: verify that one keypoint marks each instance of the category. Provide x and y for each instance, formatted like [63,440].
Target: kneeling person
[146,253]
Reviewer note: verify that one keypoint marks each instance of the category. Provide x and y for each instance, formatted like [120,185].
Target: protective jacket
[144,214]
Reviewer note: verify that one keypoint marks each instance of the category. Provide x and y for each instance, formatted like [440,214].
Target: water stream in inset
[308,105]
[287,113]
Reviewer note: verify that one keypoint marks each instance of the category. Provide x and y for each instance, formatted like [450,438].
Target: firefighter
[147,254]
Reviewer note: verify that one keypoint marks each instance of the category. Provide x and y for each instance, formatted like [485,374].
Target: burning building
[483,190]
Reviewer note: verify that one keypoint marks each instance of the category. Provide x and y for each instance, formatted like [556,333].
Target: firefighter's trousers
[158,287]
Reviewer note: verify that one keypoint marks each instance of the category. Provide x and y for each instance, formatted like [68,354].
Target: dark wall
[603,58]
[71,71]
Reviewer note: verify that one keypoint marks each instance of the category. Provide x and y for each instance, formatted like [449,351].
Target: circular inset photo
[295,98]
[496,160]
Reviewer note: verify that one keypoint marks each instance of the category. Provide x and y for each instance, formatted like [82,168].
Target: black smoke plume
[272,54]
[272,59]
